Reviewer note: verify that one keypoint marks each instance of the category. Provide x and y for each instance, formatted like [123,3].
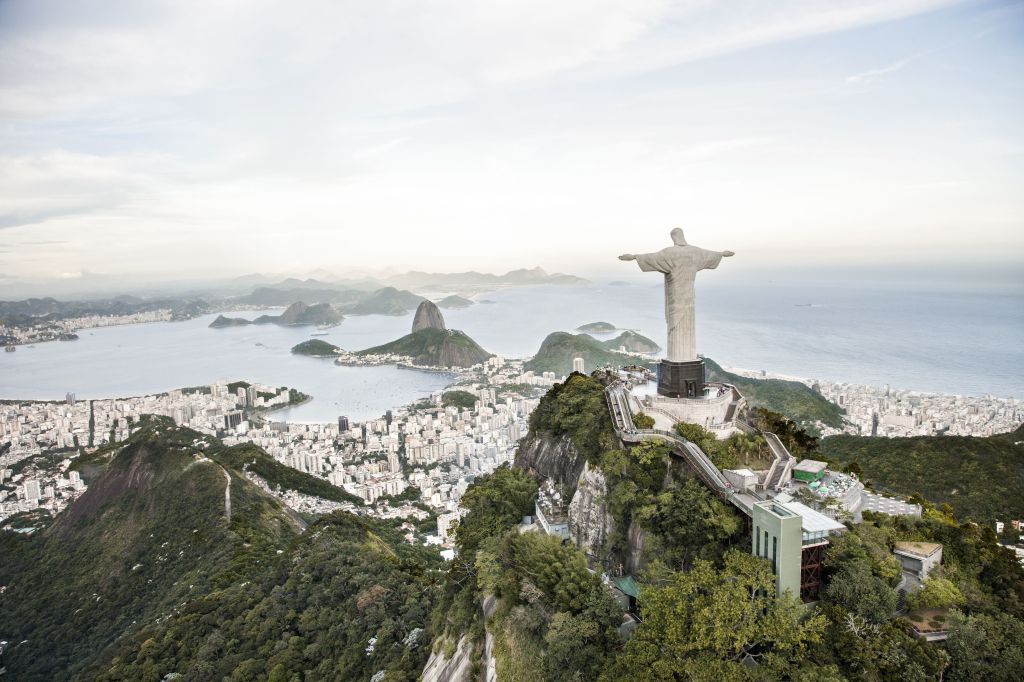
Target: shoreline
[810,381]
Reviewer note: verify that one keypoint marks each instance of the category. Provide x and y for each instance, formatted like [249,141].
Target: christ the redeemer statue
[680,264]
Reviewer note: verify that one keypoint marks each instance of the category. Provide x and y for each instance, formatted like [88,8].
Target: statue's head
[677,237]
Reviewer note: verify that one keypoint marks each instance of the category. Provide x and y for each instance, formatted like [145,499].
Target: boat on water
[319,334]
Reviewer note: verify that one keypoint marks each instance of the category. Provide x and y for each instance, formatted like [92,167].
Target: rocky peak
[428,316]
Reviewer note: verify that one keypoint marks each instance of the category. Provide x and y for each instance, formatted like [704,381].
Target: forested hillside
[708,607]
[797,401]
[981,478]
[144,576]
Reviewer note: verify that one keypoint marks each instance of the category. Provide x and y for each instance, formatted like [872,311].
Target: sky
[198,137]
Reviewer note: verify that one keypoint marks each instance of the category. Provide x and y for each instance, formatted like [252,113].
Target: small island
[597,328]
[221,322]
[316,348]
[454,302]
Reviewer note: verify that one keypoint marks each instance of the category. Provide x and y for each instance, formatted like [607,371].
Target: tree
[704,622]
[723,456]
[458,398]
[643,421]
[496,502]
[883,652]
[558,570]
[689,522]
[985,647]
[857,590]
[936,593]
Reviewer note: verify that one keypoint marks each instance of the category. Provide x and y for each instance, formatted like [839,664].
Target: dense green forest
[981,478]
[707,606]
[143,576]
[248,457]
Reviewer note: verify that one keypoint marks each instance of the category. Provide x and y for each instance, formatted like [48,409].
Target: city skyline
[182,138]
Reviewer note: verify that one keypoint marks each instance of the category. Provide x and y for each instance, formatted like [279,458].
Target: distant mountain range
[460,281]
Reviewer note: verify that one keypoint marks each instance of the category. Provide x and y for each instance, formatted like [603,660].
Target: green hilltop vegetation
[457,398]
[982,479]
[709,608]
[144,578]
[632,342]
[557,351]
[248,457]
[797,401]
[434,347]
[316,348]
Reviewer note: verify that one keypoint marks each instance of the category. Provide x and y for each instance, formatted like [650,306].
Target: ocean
[928,340]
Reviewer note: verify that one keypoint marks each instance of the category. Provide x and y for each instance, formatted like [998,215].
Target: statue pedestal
[681,379]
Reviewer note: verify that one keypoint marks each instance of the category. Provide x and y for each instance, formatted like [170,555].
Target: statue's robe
[680,265]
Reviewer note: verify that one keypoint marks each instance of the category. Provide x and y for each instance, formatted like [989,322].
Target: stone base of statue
[684,396]
[681,379]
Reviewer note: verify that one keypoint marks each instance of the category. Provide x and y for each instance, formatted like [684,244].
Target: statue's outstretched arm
[726,254]
[627,256]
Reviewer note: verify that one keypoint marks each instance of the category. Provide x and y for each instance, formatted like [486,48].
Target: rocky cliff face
[554,458]
[458,668]
[428,316]
[636,536]
[590,522]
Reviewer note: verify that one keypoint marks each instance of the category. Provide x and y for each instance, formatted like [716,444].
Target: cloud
[875,74]
[192,128]
[377,55]
[36,188]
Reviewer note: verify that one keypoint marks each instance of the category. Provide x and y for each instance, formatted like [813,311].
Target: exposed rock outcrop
[428,316]
[554,458]
[458,668]
[637,537]
[590,522]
